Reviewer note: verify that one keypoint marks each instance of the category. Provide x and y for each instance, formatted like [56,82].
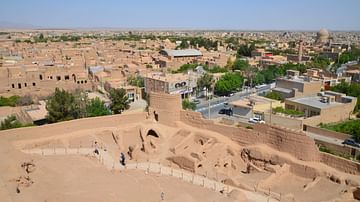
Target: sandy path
[150,167]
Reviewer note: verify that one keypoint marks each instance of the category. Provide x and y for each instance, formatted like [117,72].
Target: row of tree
[352,89]
[64,105]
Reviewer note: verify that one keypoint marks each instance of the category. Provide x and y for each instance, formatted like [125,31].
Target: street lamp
[207,94]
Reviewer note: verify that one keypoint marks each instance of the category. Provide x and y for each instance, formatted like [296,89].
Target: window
[78,82]
[25,84]
[58,78]
[67,77]
[34,84]
[51,77]
[13,85]
[19,85]
[313,113]
[40,76]
[85,81]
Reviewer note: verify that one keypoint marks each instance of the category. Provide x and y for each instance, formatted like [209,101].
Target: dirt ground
[72,177]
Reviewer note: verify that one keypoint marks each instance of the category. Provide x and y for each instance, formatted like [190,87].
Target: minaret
[300,50]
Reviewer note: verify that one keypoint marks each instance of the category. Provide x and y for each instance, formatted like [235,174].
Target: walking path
[114,165]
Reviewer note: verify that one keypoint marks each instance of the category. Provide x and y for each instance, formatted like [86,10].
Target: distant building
[184,84]
[329,106]
[254,106]
[353,72]
[294,85]
[175,58]
[322,36]
[328,79]
[181,53]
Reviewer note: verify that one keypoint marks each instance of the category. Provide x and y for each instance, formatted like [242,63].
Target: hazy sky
[192,14]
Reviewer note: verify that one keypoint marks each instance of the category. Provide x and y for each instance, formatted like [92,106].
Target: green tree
[187,104]
[9,123]
[241,65]
[215,69]
[205,81]
[136,81]
[351,55]
[245,50]
[259,79]
[9,101]
[96,107]
[352,89]
[228,83]
[183,45]
[186,67]
[351,127]
[273,95]
[119,100]
[61,107]
[320,62]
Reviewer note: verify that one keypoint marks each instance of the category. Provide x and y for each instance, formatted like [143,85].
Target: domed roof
[323,32]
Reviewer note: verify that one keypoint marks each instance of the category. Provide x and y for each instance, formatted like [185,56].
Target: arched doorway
[151,132]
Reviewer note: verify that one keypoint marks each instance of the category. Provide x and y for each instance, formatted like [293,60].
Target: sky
[184,14]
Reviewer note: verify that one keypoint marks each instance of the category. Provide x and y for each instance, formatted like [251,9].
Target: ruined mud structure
[266,160]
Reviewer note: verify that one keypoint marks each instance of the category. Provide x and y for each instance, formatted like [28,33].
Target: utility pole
[207,93]
[270,111]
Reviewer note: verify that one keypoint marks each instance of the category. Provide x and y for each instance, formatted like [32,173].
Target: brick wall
[74,125]
[342,164]
[327,133]
[284,140]
[166,106]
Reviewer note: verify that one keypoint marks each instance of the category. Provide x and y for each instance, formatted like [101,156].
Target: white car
[256,120]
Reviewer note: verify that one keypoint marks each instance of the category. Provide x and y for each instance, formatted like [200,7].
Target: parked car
[256,120]
[228,111]
[196,101]
[261,86]
[351,142]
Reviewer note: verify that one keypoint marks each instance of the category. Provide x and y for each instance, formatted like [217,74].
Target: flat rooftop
[169,77]
[283,90]
[314,101]
[299,79]
[257,100]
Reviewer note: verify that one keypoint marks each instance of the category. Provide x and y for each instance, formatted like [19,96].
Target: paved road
[217,104]
[325,139]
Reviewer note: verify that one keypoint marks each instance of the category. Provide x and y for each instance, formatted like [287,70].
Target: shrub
[9,101]
[187,104]
[288,111]
[24,100]
[273,95]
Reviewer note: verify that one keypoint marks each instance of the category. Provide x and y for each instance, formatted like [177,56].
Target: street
[325,139]
[216,104]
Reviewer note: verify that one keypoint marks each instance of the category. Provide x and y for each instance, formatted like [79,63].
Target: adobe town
[180,101]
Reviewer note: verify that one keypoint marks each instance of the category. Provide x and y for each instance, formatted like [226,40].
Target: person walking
[122,159]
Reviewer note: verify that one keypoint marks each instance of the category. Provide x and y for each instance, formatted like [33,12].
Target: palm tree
[119,100]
